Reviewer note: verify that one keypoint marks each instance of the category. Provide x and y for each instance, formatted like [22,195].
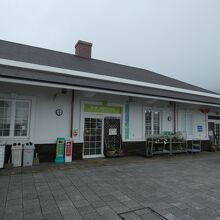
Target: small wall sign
[59,112]
[75,132]
[199,128]
[112,131]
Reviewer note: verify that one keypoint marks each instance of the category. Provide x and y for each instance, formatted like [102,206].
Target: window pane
[92,137]
[189,123]
[5,117]
[156,122]
[148,120]
[21,118]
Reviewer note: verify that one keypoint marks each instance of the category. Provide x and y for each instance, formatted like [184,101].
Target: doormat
[147,213]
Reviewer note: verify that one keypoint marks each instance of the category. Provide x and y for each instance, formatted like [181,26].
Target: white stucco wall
[197,119]
[45,125]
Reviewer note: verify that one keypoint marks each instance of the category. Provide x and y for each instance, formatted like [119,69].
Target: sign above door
[102,109]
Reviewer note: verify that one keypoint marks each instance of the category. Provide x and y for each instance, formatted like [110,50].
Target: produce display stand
[165,144]
[195,147]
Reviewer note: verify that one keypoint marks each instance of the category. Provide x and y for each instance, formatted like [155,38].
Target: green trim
[102,109]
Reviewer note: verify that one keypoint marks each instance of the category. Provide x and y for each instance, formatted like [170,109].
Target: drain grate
[147,213]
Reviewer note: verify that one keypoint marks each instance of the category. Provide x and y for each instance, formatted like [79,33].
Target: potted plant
[119,151]
[213,147]
[111,150]
[217,147]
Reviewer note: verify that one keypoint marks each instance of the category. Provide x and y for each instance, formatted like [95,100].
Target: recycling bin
[68,151]
[16,150]
[28,154]
[2,155]
[60,147]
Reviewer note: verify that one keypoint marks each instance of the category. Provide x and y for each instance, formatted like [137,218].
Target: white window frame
[152,120]
[184,123]
[12,121]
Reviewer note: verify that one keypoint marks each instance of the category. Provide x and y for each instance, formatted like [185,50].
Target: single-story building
[45,94]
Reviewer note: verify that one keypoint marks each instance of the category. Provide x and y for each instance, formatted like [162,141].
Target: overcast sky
[177,38]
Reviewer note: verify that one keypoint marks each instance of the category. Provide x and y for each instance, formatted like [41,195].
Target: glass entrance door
[92,137]
[112,132]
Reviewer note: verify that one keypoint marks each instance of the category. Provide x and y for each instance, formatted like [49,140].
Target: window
[186,122]
[21,118]
[5,117]
[152,122]
[14,118]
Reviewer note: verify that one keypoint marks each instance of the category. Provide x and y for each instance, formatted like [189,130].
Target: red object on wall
[205,111]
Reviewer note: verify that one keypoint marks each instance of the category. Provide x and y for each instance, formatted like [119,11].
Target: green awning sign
[102,109]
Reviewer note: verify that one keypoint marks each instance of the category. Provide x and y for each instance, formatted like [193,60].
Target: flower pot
[111,152]
[213,148]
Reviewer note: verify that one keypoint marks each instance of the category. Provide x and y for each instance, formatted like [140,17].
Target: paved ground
[180,187]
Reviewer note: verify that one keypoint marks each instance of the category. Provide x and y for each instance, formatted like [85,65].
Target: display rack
[165,144]
[195,146]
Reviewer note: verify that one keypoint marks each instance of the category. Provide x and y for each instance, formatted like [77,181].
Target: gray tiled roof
[25,53]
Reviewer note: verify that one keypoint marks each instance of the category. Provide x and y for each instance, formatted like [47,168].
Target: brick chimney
[83,49]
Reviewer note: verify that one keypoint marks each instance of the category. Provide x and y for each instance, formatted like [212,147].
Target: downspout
[71,113]
[174,117]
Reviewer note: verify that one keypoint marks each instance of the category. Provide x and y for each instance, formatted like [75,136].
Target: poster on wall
[127,121]
[112,131]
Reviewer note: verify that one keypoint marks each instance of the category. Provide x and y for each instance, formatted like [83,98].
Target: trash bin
[28,154]
[2,155]
[16,150]
[60,147]
[68,151]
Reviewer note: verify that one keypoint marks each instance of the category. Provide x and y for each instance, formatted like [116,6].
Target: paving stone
[64,203]
[31,203]
[92,216]
[132,204]
[108,213]
[13,216]
[50,209]
[130,216]
[86,210]
[14,202]
[170,216]
[33,216]
[121,209]
[51,215]
[186,217]
[72,216]
[81,203]
[98,204]
[13,209]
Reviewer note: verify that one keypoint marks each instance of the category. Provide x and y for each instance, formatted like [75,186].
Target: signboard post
[68,151]
[60,150]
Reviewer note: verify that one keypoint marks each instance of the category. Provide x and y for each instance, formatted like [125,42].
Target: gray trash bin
[16,151]
[28,155]
[2,155]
